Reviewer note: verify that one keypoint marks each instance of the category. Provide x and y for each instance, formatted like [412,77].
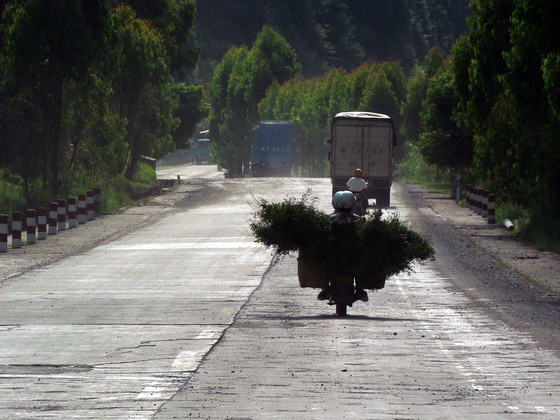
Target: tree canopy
[335,33]
[90,87]
[239,83]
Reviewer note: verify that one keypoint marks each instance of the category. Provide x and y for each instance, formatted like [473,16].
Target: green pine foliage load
[293,225]
[373,249]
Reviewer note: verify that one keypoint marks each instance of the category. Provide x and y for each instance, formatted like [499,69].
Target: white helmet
[343,200]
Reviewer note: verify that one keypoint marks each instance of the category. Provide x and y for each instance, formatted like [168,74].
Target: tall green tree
[443,143]
[143,88]
[175,21]
[227,108]
[48,44]
[243,78]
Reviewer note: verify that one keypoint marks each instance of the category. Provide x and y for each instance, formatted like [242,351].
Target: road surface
[188,318]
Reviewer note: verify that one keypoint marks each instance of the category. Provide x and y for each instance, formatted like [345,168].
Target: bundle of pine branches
[373,249]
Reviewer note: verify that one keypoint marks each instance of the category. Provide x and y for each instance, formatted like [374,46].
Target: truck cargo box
[272,149]
[363,140]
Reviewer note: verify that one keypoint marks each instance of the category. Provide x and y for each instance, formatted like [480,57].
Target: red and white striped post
[97,199]
[17,226]
[61,215]
[485,203]
[3,233]
[478,192]
[82,213]
[90,205]
[53,217]
[42,223]
[491,208]
[457,191]
[72,222]
[30,226]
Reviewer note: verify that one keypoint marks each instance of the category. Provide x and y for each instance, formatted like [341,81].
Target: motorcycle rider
[358,186]
[343,202]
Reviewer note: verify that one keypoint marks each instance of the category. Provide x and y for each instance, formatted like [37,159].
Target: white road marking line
[188,360]
[178,245]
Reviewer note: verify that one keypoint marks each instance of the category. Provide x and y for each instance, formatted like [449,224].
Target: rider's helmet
[343,200]
[358,173]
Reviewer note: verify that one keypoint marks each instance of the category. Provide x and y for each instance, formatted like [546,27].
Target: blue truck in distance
[272,151]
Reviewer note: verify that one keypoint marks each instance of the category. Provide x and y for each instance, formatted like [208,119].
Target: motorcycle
[341,289]
[343,293]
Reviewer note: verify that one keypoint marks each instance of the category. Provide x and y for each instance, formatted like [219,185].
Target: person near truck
[358,185]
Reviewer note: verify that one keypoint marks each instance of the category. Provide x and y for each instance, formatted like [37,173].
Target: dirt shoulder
[542,269]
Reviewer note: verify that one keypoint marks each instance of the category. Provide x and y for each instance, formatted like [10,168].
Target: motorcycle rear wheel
[341,309]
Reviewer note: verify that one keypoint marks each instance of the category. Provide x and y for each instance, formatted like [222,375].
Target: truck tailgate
[367,147]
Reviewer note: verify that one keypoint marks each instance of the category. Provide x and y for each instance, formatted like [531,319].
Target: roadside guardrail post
[491,208]
[61,215]
[30,226]
[3,233]
[97,199]
[42,223]
[478,201]
[53,217]
[72,222]
[17,225]
[82,212]
[90,205]
[485,204]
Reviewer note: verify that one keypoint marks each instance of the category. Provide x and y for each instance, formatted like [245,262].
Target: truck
[272,151]
[363,140]
[201,152]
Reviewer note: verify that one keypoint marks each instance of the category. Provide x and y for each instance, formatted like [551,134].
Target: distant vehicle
[272,149]
[363,140]
[201,152]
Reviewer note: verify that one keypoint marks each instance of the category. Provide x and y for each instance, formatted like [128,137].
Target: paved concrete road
[115,331]
[172,321]
[417,350]
[188,171]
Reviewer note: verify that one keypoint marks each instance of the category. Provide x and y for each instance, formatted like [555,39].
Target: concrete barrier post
[3,233]
[17,226]
[97,199]
[61,215]
[458,193]
[491,208]
[82,212]
[42,223]
[53,217]
[468,197]
[485,204]
[72,222]
[90,205]
[478,193]
[30,226]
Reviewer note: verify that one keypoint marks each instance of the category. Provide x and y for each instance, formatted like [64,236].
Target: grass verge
[116,193]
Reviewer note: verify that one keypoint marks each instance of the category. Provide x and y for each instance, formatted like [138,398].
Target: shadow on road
[349,316]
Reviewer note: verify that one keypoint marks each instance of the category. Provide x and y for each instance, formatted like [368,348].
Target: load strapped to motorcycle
[335,251]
